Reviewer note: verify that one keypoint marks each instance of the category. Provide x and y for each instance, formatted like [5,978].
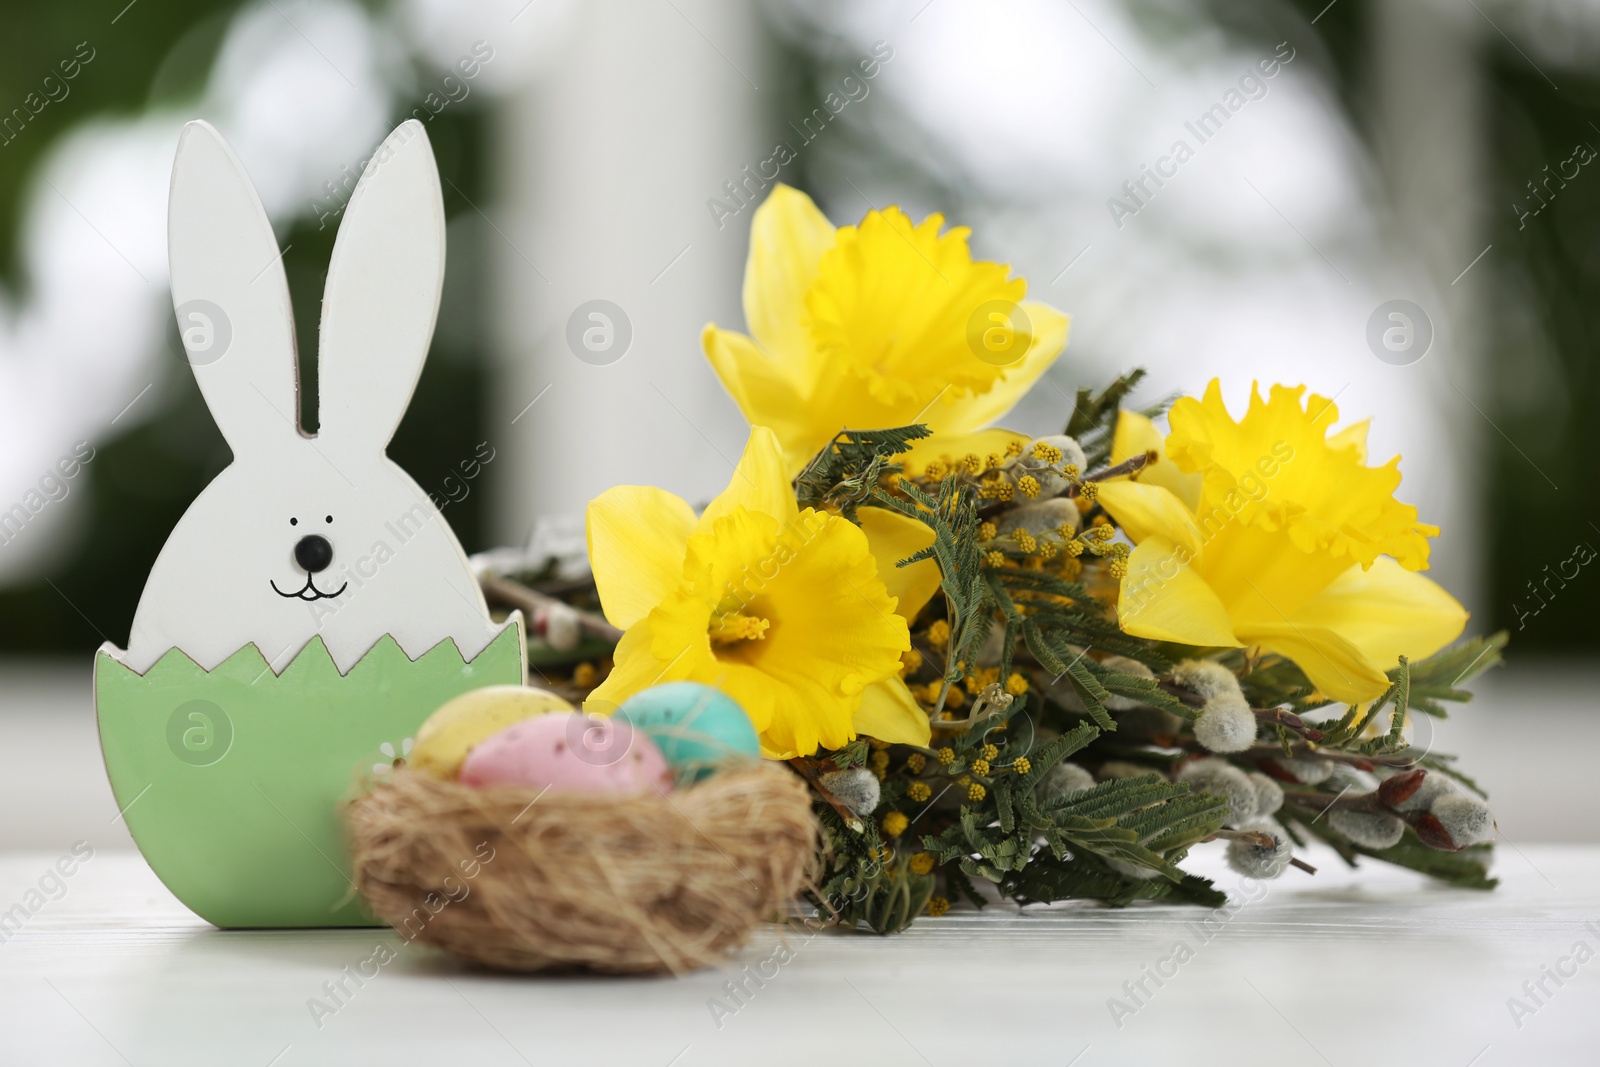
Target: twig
[812,770]
[1127,466]
[1311,798]
[1299,750]
[1279,716]
[563,587]
[1289,721]
[1188,696]
[516,595]
[1425,823]
[1261,840]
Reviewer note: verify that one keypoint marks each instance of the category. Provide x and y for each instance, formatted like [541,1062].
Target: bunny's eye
[330,518]
[294,522]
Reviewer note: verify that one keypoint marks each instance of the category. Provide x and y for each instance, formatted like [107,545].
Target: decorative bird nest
[519,880]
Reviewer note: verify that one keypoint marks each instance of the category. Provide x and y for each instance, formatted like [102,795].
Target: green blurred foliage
[141,482]
[1544,378]
[155,52]
[1544,318]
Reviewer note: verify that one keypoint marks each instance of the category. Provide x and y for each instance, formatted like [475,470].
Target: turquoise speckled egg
[698,729]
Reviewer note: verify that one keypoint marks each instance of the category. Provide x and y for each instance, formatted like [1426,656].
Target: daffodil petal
[1352,437]
[753,692]
[1334,665]
[788,236]
[636,669]
[763,389]
[760,483]
[1164,599]
[825,627]
[1145,511]
[892,537]
[966,414]
[1136,434]
[1387,612]
[637,537]
[953,446]
[890,713]
[1275,470]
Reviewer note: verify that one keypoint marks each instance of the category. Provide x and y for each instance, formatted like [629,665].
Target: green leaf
[1091,692]
[848,469]
[1090,409]
[1395,739]
[1144,690]
[1438,677]
[1053,752]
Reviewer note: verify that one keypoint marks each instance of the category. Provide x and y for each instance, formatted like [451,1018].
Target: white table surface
[1371,967]
[54,788]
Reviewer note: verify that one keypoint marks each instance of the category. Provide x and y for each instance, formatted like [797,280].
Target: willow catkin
[524,881]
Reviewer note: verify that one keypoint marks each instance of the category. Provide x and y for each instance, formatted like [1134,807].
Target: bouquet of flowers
[1034,668]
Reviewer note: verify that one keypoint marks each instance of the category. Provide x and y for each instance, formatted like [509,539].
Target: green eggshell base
[230,780]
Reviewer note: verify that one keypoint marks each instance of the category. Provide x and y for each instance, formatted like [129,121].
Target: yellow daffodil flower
[786,610]
[878,325]
[1269,532]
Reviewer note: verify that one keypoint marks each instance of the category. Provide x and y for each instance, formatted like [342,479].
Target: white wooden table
[1375,967]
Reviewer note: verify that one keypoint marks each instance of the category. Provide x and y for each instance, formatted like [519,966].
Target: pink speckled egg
[573,752]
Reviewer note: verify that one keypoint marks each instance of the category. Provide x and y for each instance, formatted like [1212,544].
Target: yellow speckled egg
[456,728]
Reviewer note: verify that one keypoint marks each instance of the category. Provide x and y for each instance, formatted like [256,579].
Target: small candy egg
[573,752]
[698,728]
[451,732]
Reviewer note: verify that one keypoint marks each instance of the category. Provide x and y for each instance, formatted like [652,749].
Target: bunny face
[305,536]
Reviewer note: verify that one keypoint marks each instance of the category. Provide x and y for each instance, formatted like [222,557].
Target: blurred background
[1434,159]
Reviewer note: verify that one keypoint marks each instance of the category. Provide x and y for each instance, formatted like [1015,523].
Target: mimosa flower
[785,610]
[878,325]
[1269,532]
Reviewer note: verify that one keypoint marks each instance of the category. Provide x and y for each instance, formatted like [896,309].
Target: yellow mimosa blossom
[786,610]
[878,325]
[1269,532]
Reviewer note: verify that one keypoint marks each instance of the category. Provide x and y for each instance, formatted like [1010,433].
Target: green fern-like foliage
[847,472]
[1024,671]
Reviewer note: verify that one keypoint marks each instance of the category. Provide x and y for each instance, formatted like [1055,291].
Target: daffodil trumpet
[1270,531]
[784,608]
[880,324]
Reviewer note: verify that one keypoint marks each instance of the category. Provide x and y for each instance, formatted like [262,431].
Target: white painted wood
[1373,967]
[1430,120]
[579,215]
[396,568]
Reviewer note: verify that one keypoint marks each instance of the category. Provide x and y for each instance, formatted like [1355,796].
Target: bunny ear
[229,293]
[382,294]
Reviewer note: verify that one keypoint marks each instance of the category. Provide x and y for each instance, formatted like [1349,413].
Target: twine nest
[622,884]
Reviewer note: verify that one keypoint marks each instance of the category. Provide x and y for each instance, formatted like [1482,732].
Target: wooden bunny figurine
[311,609]
[307,535]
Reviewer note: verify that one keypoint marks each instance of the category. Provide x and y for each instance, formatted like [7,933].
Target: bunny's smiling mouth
[309,591]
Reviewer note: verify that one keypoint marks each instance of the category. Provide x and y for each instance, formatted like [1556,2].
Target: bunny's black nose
[313,552]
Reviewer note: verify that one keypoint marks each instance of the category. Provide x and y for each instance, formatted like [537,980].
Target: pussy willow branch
[1127,466]
[1425,823]
[1300,750]
[1260,840]
[1277,716]
[1346,801]
[1289,721]
[516,595]
[1188,696]
[562,587]
[812,770]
